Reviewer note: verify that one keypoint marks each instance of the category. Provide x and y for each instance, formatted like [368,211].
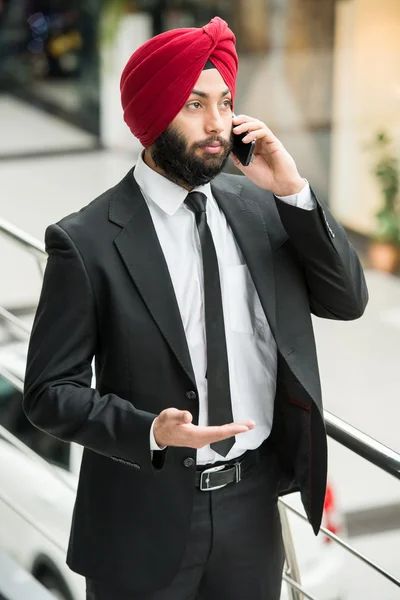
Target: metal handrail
[23,239]
[362,444]
[374,452]
[345,545]
[11,379]
[10,318]
[291,569]
[297,587]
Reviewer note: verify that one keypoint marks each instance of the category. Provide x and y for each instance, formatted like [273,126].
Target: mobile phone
[242,151]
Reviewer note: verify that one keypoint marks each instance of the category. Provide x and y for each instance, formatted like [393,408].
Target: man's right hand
[174,427]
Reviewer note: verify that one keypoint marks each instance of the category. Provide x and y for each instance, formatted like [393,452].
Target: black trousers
[234,549]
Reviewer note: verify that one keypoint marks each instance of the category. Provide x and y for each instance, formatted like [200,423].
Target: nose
[214,123]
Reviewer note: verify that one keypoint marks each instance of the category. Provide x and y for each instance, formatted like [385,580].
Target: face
[196,145]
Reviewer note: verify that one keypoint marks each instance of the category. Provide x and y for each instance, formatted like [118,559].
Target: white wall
[133,31]
[366,99]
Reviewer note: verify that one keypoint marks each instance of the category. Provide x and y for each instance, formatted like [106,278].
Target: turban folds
[161,74]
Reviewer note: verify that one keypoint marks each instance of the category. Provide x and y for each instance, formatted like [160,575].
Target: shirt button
[188,462]
[191,395]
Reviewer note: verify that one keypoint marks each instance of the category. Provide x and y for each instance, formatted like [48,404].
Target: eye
[194,105]
[227,103]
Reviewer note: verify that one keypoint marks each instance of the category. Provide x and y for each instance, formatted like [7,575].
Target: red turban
[160,76]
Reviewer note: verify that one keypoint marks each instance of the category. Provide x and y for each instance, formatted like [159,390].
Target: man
[195,299]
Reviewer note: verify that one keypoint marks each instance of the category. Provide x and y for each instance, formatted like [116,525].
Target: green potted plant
[384,248]
[110,17]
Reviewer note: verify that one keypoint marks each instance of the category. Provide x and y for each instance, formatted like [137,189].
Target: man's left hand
[272,167]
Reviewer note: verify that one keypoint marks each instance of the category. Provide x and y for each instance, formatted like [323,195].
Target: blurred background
[325,77]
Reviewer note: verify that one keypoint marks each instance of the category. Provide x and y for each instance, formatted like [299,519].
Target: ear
[148,157]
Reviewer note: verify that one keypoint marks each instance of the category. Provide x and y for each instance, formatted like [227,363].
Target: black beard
[181,164]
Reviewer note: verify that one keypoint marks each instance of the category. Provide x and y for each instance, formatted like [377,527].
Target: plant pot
[384,256]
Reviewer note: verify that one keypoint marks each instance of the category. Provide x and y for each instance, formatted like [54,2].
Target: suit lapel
[140,250]
[247,223]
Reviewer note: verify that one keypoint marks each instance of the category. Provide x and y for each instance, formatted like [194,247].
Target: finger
[204,431]
[223,434]
[248,126]
[185,417]
[244,120]
[241,119]
[180,416]
[217,433]
[250,423]
[257,130]
[262,134]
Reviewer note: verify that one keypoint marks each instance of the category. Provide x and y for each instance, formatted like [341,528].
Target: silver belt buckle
[238,472]
[205,481]
[207,487]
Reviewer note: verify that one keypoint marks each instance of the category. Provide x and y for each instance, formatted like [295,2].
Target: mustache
[226,144]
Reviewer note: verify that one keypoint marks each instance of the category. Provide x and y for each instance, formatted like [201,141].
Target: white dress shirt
[252,352]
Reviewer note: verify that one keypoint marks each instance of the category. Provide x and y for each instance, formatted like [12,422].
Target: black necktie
[219,395]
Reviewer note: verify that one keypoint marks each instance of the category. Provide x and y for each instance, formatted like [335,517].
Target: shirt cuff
[153,443]
[302,200]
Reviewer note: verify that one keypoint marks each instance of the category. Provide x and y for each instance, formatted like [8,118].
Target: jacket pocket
[296,402]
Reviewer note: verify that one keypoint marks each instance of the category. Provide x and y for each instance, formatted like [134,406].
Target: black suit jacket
[107,293]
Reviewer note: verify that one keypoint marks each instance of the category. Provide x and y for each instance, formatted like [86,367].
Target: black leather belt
[221,474]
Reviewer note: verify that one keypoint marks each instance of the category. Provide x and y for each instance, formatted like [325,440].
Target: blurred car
[45,495]
[48,501]
[17,584]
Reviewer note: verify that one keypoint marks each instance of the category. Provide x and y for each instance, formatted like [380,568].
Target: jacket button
[191,395]
[188,462]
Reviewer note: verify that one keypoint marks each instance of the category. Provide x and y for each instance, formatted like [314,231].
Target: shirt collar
[167,195]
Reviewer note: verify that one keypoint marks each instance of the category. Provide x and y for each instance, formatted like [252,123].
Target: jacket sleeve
[58,397]
[333,272]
